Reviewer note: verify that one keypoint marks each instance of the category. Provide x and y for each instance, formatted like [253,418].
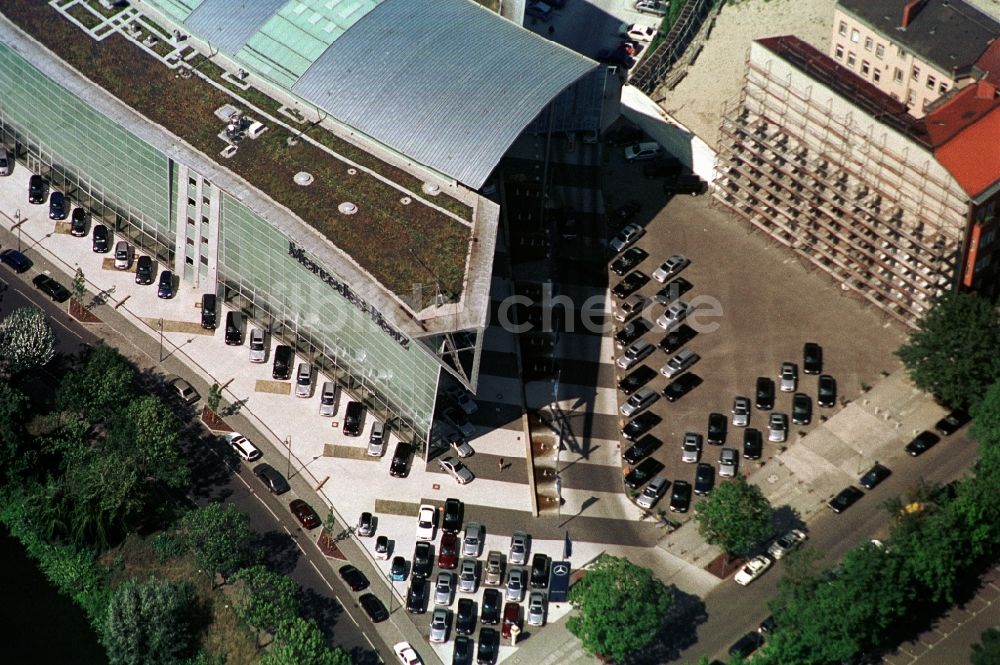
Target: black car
[632,257]
[465,617]
[767,626]
[765,393]
[464,649]
[281,367]
[423,559]
[353,577]
[373,607]
[209,311]
[812,358]
[684,184]
[165,288]
[952,422]
[747,644]
[641,424]
[490,614]
[397,571]
[753,443]
[631,332]
[144,270]
[874,476]
[717,424]
[37,189]
[633,282]
[451,522]
[636,379]
[58,206]
[234,329]
[646,469]
[681,386]
[675,339]
[643,448]
[78,223]
[272,478]
[672,291]
[827,391]
[540,565]
[489,645]
[400,466]
[51,288]
[704,478]
[416,596]
[845,499]
[802,409]
[101,239]
[14,259]
[922,443]
[354,418]
[661,168]
[680,498]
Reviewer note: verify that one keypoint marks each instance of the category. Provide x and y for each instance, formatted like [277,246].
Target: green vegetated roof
[384,236]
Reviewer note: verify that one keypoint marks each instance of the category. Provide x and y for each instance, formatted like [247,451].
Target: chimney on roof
[910,11]
[985,89]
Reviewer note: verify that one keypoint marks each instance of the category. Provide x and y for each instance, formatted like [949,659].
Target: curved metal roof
[446,83]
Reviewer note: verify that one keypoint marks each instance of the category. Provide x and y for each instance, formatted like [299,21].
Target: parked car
[922,443]
[801,409]
[650,494]
[462,398]
[209,305]
[681,386]
[400,465]
[6,163]
[630,332]
[788,542]
[123,256]
[367,524]
[629,259]
[397,570]
[354,418]
[511,618]
[489,646]
[416,595]
[741,411]
[628,308]
[753,569]
[38,189]
[639,401]
[635,353]
[777,427]
[440,622]
[303,380]
[747,644]
[426,522]
[305,514]
[353,578]
[494,568]
[468,576]
[540,564]
[78,223]
[234,337]
[640,425]
[626,237]
[457,470]
[826,391]
[654,7]
[642,151]
[675,314]
[243,447]
[764,393]
[473,541]
[448,552]
[423,559]
[272,479]
[952,422]
[717,425]
[691,447]
[536,609]
[642,472]
[680,499]
[679,363]
[874,476]
[443,588]
[376,438]
[642,448]
[185,391]
[165,288]
[144,270]
[753,444]
[382,547]
[451,518]
[728,462]
[636,379]
[373,607]
[465,617]
[51,288]
[101,239]
[457,419]
[58,206]
[704,479]
[846,498]
[788,377]
[672,291]
[664,167]
[518,555]
[458,443]
[675,339]
[516,583]
[670,268]
[812,358]
[258,354]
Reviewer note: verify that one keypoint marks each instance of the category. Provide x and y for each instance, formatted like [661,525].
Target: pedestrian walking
[500,463]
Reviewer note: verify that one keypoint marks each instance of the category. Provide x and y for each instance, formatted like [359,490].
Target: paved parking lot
[770,305]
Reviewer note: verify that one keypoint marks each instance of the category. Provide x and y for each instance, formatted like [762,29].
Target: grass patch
[85,17]
[98,7]
[382,237]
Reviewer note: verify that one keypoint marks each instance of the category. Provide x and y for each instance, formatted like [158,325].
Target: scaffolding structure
[823,180]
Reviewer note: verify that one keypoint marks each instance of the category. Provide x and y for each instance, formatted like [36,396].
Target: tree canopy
[220,536]
[619,607]
[102,385]
[149,623]
[987,652]
[736,516]
[300,642]
[264,599]
[953,353]
[26,339]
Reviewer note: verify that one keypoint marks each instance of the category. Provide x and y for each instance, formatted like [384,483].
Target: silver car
[536,608]
[518,549]
[454,468]
[652,493]
[788,377]
[691,448]
[467,576]
[639,400]
[676,313]
[473,542]
[443,588]
[459,445]
[439,625]
[303,380]
[515,585]
[679,363]
[635,353]
[258,348]
[670,267]
[626,237]
[329,396]
[741,411]
[777,427]
[728,461]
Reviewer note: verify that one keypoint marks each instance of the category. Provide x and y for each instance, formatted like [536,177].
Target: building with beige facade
[916,50]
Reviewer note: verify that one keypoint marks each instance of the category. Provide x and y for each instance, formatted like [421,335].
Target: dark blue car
[166,287]
[16,260]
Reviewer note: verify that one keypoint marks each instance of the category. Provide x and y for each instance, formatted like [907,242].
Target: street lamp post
[288,445]
[161,339]
[17,224]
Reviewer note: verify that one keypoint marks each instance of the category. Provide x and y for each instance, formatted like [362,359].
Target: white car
[652,492]
[467,576]
[426,522]
[515,585]
[518,555]
[406,655]
[439,626]
[787,543]
[672,318]
[788,377]
[443,588]
[243,447]
[635,353]
[670,267]
[473,541]
[258,349]
[691,448]
[629,307]
[460,445]
[741,411]
[753,569]
[777,427]
[679,363]
[461,396]
[454,468]
[638,401]
[536,608]
[626,237]
[641,33]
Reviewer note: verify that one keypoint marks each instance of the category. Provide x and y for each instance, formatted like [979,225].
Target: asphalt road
[733,610]
[287,548]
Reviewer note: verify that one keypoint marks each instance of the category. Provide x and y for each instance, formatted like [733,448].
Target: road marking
[321,575]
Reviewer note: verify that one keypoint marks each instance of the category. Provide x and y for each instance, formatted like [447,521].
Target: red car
[511,617]
[448,554]
[305,514]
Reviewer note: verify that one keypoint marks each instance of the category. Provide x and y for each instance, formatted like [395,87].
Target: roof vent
[303,179]
[431,189]
[406,200]
[352,171]
[347,208]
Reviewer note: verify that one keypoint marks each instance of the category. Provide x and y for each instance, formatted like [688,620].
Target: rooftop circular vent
[431,189]
[302,178]
[406,200]
[347,208]
[352,171]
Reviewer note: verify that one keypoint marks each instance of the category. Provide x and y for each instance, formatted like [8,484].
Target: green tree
[987,652]
[736,516]
[26,339]
[146,431]
[986,426]
[300,642]
[221,538]
[78,287]
[14,411]
[149,623]
[214,397]
[264,599]
[953,354]
[619,607]
[101,386]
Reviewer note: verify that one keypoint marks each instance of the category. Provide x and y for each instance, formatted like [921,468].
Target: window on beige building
[868,43]
[915,73]
[897,75]
[865,67]
[843,28]
[943,88]
[839,52]
[855,36]
[851,59]
[931,82]
[876,76]
[879,50]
